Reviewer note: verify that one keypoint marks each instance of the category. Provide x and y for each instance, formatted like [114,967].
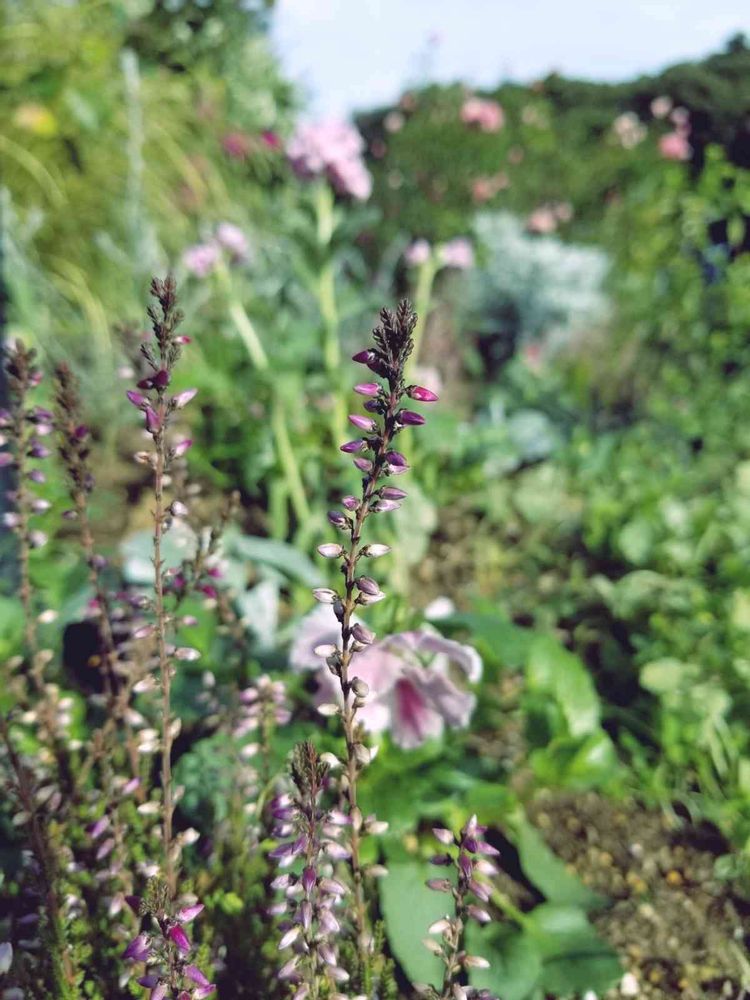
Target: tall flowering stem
[467,855]
[378,461]
[310,924]
[158,406]
[23,425]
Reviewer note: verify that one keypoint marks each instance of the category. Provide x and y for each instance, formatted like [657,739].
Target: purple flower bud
[487,849]
[337,519]
[375,549]
[367,585]
[351,503]
[309,878]
[364,423]
[480,890]
[38,450]
[97,828]
[194,973]
[204,991]
[479,914]
[441,860]
[153,423]
[180,938]
[363,464]
[362,634]
[145,383]
[81,432]
[161,380]
[352,447]
[6,459]
[290,937]
[188,913]
[37,476]
[327,922]
[396,458]
[306,914]
[443,835]
[138,949]
[183,398]
[393,493]
[383,506]
[373,406]
[332,887]
[364,357]
[439,884]
[410,418]
[148,981]
[159,992]
[136,398]
[330,550]
[465,866]
[421,394]
[181,447]
[367,388]
[134,902]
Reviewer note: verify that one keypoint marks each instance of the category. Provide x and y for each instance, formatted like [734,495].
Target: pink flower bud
[364,423]
[363,464]
[153,423]
[182,447]
[393,493]
[367,388]
[183,398]
[421,394]
[136,398]
[194,973]
[350,503]
[363,634]
[188,913]
[180,938]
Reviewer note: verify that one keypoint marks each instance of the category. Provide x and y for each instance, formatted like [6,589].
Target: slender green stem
[288,460]
[326,294]
[422,301]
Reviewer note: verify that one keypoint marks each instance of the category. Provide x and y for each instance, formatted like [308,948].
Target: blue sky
[353,54]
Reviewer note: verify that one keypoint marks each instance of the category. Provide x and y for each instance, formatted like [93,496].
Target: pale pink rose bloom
[674,146]
[457,253]
[542,220]
[331,149]
[417,253]
[413,694]
[232,239]
[201,259]
[487,115]
[661,106]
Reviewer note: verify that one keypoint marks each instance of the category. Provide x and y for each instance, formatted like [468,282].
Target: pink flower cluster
[457,253]
[545,219]
[675,145]
[331,149]
[486,115]
[203,258]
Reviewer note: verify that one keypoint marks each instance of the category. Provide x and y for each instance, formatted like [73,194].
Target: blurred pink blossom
[457,253]
[417,253]
[201,259]
[675,146]
[487,115]
[413,694]
[629,129]
[331,149]
[231,238]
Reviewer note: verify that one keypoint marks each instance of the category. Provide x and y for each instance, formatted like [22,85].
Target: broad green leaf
[574,957]
[514,957]
[409,908]
[552,670]
[276,555]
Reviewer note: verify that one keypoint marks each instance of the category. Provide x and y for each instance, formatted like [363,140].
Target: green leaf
[552,670]
[514,957]
[574,957]
[495,636]
[547,871]
[276,555]
[409,908]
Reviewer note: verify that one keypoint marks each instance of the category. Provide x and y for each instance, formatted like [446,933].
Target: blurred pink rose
[457,253]
[331,149]
[542,220]
[674,146]
[486,115]
[412,694]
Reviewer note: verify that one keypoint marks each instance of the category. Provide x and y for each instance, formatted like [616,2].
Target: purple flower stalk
[470,895]
[393,343]
[309,925]
[161,355]
[165,949]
